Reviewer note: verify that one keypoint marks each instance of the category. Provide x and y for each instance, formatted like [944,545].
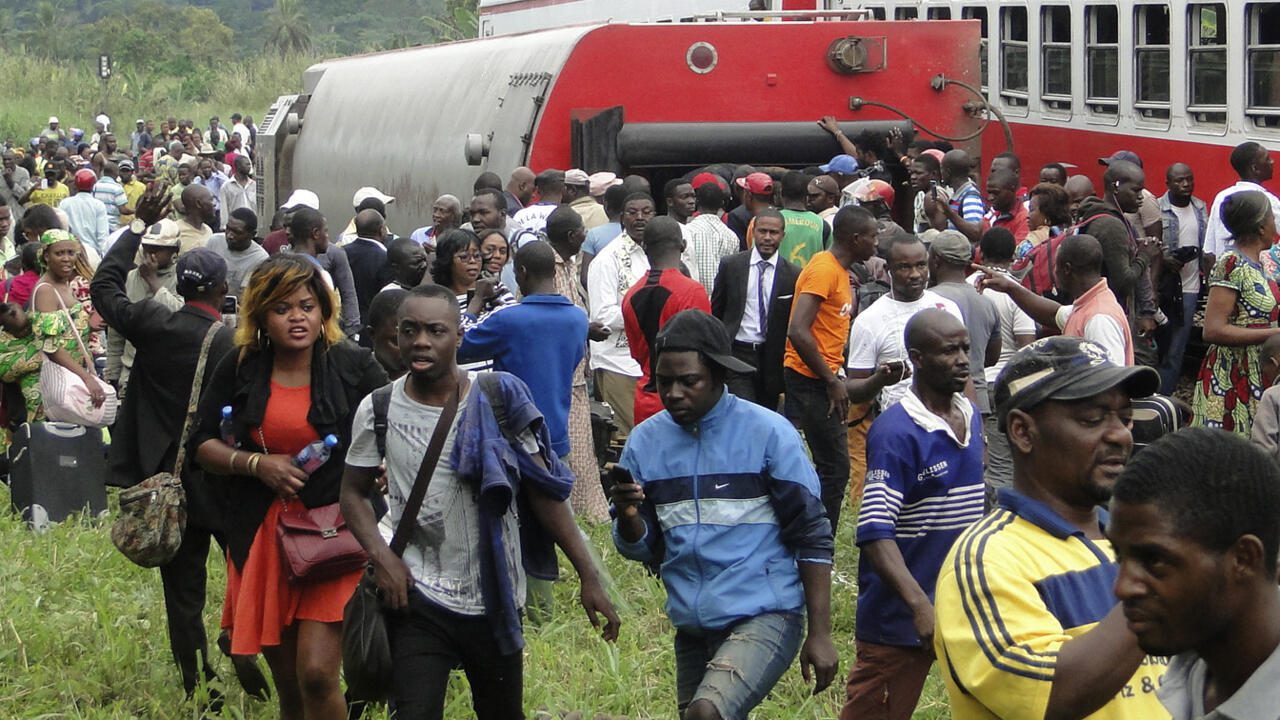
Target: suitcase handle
[65,430]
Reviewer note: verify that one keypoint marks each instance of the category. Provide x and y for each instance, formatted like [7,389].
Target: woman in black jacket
[293,381]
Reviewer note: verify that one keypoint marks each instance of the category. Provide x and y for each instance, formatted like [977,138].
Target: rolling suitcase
[56,469]
[1154,417]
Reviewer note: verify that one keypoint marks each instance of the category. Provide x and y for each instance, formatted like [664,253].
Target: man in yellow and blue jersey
[1027,625]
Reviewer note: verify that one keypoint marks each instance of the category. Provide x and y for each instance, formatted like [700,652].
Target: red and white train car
[1173,80]
[655,98]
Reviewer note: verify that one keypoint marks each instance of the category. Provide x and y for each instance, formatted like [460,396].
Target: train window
[1055,56]
[1013,55]
[1263,63]
[939,13]
[1151,55]
[877,13]
[979,12]
[1102,58]
[906,13]
[1207,61]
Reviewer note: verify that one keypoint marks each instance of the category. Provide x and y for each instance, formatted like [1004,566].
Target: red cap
[85,179]
[757,183]
[875,190]
[703,178]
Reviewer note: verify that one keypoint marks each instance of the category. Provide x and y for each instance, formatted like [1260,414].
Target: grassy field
[36,88]
[82,635]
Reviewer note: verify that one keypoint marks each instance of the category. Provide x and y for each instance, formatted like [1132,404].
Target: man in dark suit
[148,429]
[752,297]
[368,258]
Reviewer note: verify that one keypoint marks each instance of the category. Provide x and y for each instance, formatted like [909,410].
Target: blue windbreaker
[732,503]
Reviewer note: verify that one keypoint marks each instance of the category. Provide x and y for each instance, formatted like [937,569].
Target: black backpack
[866,289]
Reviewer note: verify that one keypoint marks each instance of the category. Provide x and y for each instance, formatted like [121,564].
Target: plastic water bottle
[316,454]
[227,429]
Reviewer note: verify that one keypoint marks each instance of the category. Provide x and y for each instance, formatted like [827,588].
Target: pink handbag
[65,395]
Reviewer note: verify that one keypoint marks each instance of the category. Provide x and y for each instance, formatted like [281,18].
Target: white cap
[367,192]
[53,119]
[163,234]
[303,198]
[576,177]
[602,181]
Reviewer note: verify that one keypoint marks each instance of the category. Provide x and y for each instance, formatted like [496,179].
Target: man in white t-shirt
[1185,223]
[1253,164]
[439,585]
[878,363]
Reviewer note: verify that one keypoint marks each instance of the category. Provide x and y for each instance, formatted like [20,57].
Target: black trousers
[428,642]
[826,434]
[751,386]
[184,579]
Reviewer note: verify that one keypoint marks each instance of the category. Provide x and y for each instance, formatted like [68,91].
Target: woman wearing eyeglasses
[458,265]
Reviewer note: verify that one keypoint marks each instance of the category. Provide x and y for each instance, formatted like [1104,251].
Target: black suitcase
[56,469]
[1154,417]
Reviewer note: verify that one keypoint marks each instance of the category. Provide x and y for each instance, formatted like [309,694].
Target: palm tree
[287,27]
[460,21]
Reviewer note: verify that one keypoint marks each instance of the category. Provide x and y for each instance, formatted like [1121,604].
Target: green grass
[36,88]
[82,635]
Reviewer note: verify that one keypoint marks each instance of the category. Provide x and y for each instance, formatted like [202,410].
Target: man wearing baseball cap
[53,132]
[86,215]
[1027,625]
[144,440]
[842,168]
[745,550]
[577,186]
[155,277]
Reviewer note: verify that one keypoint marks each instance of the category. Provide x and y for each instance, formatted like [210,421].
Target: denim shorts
[734,669]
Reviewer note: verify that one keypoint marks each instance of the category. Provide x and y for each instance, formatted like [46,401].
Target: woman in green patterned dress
[1242,312]
[62,334]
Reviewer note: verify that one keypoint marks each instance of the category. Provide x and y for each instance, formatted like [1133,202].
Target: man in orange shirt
[817,400]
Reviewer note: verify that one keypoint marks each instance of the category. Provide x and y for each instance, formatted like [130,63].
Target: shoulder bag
[64,394]
[366,649]
[153,513]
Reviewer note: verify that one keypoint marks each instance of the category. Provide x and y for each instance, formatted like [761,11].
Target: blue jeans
[734,669]
[1171,368]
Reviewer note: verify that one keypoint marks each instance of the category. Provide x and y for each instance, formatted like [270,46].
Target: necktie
[762,307]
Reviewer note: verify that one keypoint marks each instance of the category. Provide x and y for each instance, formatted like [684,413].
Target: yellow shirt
[49,196]
[1015,587]
[132,190]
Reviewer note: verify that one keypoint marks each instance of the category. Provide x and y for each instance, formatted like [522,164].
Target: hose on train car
[939,83]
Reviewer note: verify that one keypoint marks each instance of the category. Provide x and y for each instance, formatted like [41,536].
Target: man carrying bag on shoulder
[453,583]
[146,436]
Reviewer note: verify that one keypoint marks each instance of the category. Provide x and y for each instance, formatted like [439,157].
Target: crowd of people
[947,352]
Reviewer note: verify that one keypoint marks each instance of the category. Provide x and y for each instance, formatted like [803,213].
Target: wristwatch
[138,227]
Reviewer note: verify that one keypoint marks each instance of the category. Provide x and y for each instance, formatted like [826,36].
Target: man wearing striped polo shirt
[1027,625]
[924,486]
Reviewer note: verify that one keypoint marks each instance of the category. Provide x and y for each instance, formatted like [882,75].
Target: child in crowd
[20,359]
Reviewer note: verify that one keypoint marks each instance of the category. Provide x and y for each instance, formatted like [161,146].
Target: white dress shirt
[752,329]
[1217,239]
[610,275]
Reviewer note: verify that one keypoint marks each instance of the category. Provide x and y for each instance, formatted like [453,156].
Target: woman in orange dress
[293,380]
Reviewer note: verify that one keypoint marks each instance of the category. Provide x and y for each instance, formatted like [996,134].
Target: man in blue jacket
[722,494]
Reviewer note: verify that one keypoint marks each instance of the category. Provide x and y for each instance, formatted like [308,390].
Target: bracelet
[232,462]
[253,463]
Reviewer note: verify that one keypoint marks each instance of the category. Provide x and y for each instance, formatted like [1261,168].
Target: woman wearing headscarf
[1242,312]
[294,380]
[60,319]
